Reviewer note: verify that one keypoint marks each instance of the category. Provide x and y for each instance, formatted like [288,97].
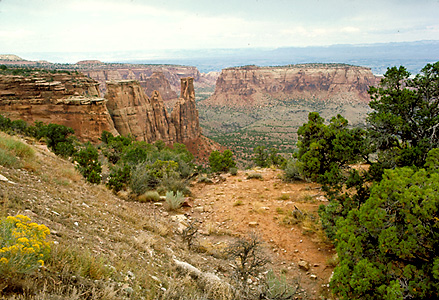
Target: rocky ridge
[74,100]
[254,86]
[146,118]
[70,100]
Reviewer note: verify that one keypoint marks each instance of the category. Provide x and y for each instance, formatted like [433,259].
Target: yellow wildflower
[4,260]
[22,240]
[41,262]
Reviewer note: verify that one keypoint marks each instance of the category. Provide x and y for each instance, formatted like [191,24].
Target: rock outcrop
[70,100]
[146,119]
[158,82]
[254,86]
[73,100]
[143,74]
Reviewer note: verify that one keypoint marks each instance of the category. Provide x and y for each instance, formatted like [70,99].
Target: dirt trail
[242,205]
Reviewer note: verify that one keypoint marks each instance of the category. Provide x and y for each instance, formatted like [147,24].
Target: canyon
[253,86]
[264,106]
[74,100]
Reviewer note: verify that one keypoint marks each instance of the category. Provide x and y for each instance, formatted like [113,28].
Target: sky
[32,26]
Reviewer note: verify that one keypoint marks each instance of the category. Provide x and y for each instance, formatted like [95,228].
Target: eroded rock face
[252,86]
[158,82]
[146,119]
[74,101]
[185,115]
[143,74]
[70,100]
[136,114]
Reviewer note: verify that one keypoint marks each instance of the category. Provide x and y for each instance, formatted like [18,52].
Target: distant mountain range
[378,57]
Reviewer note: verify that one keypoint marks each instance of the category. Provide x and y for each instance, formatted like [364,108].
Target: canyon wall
[147,75]
[74,101]
[147,119]
[254,86]
[70,100]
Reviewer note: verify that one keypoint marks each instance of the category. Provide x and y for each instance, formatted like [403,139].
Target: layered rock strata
[253,86]
[70,100]
[147,119]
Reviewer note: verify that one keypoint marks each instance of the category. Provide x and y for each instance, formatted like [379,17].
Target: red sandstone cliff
[146,118]
[141,73]
[252,86]
[71,100]
[158,82]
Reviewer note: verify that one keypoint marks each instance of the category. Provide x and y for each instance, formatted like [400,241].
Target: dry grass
[103,247]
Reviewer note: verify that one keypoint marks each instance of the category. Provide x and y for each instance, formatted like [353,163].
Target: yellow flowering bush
[23,245]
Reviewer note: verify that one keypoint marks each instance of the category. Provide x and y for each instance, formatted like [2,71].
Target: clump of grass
[280,210]
[8,160]
[149,196]
[238,203]
[174,201]
[284,197]
[12,150]
[16,147]
[255,176]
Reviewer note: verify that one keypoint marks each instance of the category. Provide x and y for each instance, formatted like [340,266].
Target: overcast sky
[125,25]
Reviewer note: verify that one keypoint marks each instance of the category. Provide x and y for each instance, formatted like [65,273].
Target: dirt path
[240,205]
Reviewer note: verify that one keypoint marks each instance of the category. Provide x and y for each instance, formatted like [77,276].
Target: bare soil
[240,205]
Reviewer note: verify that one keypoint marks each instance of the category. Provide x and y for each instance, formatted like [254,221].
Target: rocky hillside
[105,246]
[253,86]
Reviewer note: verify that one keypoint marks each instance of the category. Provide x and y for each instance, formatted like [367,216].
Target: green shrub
[173,182]
[291,171]
[221,162]
[56,134]
[277,288]
[147,176]
[174,200]
[120,178]
[88,164]
[233,171]
[23,246]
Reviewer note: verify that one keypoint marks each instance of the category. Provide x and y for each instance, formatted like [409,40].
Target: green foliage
[324,151]
[233,171]
[291,171]
[278,288]
[23,246]
[57,138]
[88,163]
[221,162]
[263,158]
[13,151]
[405,119]
[388,247]
[147,176]
[120,178]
